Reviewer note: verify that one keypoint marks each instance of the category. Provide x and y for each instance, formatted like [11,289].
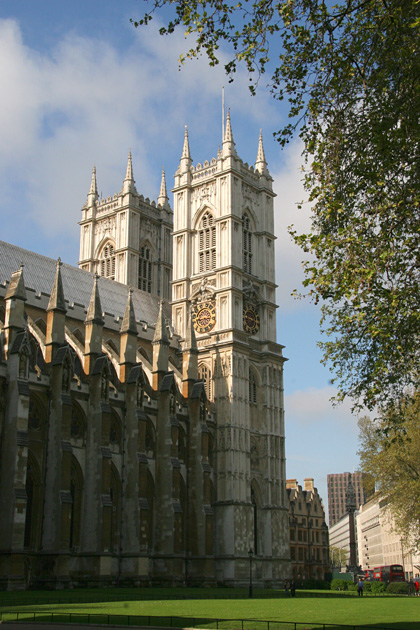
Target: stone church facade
[141,394]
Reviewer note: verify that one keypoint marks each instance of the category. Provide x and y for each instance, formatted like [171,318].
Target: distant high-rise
[337,488]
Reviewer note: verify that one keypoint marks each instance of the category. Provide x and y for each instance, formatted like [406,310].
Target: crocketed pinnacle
[161,333]
[261,163]
[129,183]
[228,142]
[186,161]
[93,191]
[57,302]
[94,312]
[129,320]
[163,199]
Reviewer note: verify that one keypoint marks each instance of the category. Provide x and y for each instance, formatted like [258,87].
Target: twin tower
[212,258]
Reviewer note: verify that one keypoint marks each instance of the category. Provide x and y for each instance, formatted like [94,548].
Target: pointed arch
[106,258]
[205,374]
[206,241]
[145,267]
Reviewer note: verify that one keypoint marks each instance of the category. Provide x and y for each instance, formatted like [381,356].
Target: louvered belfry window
[145,269]
[207,243]
[107,261]
[246,244]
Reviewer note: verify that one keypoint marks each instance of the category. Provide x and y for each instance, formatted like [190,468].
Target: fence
[172,622]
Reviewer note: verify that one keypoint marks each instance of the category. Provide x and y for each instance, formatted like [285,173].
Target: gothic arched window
[204,373]
[145,269]
[246,244]
[207,243]
[107,261]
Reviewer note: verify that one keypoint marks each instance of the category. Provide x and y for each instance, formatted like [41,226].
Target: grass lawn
[399,613]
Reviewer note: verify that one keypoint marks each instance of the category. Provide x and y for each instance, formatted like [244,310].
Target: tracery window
[204,373]
[246,244]
[207,243]
[145,269]
[107,261]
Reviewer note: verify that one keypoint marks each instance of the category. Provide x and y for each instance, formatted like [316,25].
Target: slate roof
[39,273]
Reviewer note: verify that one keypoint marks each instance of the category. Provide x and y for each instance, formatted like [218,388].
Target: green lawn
[399,613]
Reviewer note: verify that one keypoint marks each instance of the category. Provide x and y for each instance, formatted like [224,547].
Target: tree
[338,557]
[351,73]
[392,457]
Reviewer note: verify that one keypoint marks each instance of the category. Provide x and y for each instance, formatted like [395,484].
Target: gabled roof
[39,273]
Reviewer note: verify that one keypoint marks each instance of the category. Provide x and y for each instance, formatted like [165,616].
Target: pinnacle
[57,301]
[163,199]
[261,163]
[161,334]
[94,313]
[129,320]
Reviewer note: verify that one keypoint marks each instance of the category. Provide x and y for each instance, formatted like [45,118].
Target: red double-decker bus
[389,573]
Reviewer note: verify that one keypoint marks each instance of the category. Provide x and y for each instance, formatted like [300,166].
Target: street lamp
[250,554]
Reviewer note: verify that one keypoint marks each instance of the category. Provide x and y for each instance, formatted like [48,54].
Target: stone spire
[93,192]
[228,142]
[55,335]
[129,320]
[128,339]
[129,185]
[57,302]
[186,161]
[93,328]
[163,199]
[261,163]
[94,312]
[160,349]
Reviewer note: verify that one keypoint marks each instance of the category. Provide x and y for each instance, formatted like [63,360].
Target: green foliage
[350,71]
[352,587]
[339,585]
[367,587]
[391,455]
[378,587]
[398,588]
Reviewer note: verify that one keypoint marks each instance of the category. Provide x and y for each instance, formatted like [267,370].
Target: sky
[81,87]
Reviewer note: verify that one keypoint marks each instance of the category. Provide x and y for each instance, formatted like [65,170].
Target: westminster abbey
[141,393]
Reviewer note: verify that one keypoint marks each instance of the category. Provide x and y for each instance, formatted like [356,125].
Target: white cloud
[86,103]
[314,406]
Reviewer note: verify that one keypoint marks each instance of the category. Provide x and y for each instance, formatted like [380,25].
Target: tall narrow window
[207,243]
[145,269]
[254,509]
[107,261]
[246,244]
[252,394]
[204,373]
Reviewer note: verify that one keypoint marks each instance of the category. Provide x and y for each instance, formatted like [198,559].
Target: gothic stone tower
[128,238]
[223,278]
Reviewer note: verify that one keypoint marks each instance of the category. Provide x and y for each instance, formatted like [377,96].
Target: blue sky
[80,87]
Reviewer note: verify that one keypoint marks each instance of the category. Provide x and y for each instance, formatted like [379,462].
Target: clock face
[251,319]
[204,318]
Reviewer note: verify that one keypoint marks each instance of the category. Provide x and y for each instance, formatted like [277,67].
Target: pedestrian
[416,585]
[292,588]
[286,587]
[360,587]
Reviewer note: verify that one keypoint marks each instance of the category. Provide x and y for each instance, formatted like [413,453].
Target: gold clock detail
[251,319]
[204,317]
